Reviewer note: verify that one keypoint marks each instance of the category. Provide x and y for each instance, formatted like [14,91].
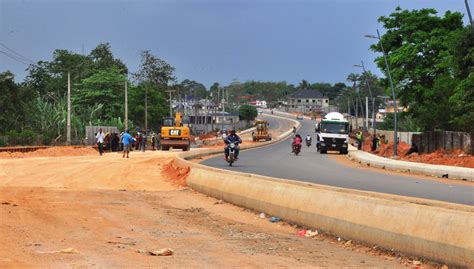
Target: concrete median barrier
[437,230]
[453,172]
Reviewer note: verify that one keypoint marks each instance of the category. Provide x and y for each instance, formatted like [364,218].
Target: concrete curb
[438,230]
[413,167]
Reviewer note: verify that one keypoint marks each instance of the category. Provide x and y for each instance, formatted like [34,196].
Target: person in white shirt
[100,141]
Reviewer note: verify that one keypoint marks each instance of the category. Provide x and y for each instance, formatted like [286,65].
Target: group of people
[126,142]
[375,143]
[108,141]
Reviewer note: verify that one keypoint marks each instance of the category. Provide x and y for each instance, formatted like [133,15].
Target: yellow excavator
[174,134]
[261,131]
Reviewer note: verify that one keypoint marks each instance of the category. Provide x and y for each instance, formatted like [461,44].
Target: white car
[260,112]
[299,117]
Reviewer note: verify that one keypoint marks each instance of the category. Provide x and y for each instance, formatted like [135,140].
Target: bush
[247,112]
[26,137]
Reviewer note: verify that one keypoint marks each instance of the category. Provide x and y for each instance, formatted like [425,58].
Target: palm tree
[353,78]
[304,85]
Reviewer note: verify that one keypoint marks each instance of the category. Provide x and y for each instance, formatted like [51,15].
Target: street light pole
[171,108]
[223,108]
[469,14]
[126,105]
[395,108]
[68,121]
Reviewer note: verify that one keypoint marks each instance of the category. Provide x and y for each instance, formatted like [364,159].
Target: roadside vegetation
[431,57]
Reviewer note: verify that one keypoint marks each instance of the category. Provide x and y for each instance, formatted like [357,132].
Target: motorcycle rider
[296,142]
[232,138]
[308,138]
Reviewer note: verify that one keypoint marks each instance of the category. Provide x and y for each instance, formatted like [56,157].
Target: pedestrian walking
[157,140]
[143,141]
[153,141]
[100,136]
[359,140]
[137,140]
[127,141]
[375,142]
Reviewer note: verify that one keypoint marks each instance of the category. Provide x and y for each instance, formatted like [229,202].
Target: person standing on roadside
[100,136]
[143,141]
[127,141]
[359,140]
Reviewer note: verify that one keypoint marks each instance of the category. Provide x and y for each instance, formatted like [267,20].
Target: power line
[14,57]
[16,53]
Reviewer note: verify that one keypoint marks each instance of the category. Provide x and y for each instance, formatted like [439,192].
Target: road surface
[310,166]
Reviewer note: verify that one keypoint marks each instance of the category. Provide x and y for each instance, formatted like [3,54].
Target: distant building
[259,103]
[304,101]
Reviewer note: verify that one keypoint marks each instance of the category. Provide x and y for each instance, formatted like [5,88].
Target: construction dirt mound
[51,152]
[440,157]
[174,174]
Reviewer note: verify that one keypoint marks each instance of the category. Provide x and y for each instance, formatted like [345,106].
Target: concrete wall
[405,137]
[91,131]
[200,128]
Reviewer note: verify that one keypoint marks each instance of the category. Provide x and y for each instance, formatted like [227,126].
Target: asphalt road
[310,166]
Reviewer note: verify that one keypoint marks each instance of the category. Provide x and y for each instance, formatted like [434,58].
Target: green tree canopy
[247,112]
[13,103]
[105,87]
[418,44]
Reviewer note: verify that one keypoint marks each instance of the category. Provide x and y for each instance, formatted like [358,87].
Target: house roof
[307,94]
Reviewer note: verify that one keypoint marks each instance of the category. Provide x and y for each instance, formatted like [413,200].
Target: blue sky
[209,40]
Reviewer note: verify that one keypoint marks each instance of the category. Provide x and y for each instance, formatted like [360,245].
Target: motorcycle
[308,143]
[231,158]
[296,149]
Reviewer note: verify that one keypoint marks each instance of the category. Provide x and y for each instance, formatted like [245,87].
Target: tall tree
[105,87]
[193,88]
[304,85]
[154,70]
[103,58]
[13,103]
[417,43]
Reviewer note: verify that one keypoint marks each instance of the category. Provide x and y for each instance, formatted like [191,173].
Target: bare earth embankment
[105,212]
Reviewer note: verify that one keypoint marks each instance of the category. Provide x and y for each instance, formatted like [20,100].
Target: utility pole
[223,108]
[354,105]
[362,111]
[206,122]
[126,105]
[370,93]
[367,111]
[184,104]
[171,107]
[469,14]
[213,113]
[146,108]
[68,131]
[348,107]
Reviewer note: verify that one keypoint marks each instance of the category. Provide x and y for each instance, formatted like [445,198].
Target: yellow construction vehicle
[262,131]
[174,134]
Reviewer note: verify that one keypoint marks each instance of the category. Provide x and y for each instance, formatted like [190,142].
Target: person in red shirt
[296,142]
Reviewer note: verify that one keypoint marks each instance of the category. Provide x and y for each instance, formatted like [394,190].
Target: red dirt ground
[51,152]
[453,158]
